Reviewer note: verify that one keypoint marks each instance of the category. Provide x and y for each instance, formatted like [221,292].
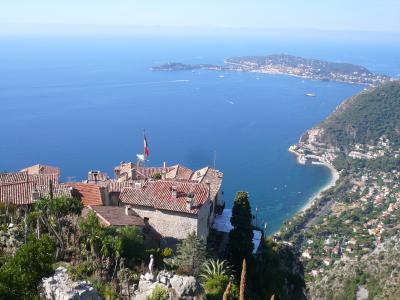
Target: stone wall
[177,225]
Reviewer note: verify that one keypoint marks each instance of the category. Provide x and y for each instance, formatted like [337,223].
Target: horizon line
[19,26]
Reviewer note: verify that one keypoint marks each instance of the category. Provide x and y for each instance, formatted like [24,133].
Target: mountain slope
[364,118]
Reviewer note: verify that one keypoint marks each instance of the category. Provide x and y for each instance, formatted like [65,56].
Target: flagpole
[144,150]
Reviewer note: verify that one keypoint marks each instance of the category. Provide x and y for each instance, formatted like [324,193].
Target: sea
[81,102]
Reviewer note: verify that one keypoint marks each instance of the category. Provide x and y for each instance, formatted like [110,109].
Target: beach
[334,177]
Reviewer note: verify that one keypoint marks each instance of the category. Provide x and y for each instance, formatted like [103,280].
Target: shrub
[106,291]
[159,293]
[215,286]
[157,176]
[132,244]
[20,276]
[81,270]
[215,268]
[167,252]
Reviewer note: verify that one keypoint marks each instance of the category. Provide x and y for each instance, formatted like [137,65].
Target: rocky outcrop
[180,287]
[186,287]
[61,287]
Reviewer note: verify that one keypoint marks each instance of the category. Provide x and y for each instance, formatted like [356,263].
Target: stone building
[173,208]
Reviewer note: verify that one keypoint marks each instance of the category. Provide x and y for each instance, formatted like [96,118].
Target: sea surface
[82,102]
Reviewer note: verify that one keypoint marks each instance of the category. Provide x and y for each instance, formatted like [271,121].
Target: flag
[146,146]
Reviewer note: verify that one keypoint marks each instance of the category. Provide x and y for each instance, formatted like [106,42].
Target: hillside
[348,239]
[365,118]
[376,274]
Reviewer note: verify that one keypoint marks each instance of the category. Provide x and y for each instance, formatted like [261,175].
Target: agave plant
[215,268]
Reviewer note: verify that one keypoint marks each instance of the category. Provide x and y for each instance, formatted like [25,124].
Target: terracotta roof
[41,169]
[213,176]
[13,177]
[18,187]
[18,193]
[21,193]
[158,194]
[90,194]
[59,190]
[116,216]
[38,179]
[179,172]
[117,186]
[125,171]
[44,179]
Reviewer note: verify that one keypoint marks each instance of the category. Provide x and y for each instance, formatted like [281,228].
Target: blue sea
[82,102]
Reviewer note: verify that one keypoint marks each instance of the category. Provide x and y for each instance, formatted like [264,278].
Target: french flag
[146,146]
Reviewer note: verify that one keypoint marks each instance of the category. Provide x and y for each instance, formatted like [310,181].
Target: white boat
[311,95]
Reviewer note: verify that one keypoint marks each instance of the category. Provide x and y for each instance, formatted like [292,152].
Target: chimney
[174,191]
[189,201]
[133,174]
[164,171]
[35,195]
[209,188]
[127,208]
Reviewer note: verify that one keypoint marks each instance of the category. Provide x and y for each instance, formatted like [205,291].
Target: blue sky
[354,15]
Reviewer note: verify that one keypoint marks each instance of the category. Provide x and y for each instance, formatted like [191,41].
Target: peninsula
[288,65]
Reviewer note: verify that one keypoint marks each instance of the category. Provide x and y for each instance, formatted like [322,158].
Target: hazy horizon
[339,15]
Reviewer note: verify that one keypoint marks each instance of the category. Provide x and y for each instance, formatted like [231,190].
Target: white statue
[151,264]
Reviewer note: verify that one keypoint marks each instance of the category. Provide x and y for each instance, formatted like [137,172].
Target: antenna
[215,158]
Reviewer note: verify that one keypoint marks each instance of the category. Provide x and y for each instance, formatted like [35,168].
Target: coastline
[334,178]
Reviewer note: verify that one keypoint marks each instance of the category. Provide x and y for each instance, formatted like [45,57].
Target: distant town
[288,65]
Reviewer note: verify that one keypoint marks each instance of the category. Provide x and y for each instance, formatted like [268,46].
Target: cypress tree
[240,245]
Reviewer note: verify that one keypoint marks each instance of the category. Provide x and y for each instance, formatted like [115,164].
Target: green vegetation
[159,293]
[21,274]
[240,244]
[215,276]
[366,117]
[157,176]
[192,253]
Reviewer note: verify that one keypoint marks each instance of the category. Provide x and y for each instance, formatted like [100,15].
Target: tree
[20,276]
[240,245]
[192,254]
[55,213]
[132,243]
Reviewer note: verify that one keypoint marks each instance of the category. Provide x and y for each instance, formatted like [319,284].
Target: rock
[61,287]
[186,287]
[145,288]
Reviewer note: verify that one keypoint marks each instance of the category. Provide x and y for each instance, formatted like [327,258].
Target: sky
[346,15]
